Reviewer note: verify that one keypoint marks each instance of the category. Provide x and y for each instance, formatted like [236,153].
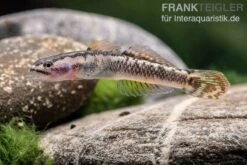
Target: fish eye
[47,64]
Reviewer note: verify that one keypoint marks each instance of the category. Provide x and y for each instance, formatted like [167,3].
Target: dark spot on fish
[194,82]
[76,66]
[47,64]
[124,113]
[72,126]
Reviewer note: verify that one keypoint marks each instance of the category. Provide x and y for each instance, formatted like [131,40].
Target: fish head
[48,69]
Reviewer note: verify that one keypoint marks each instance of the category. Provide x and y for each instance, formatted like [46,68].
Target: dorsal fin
[134,88]
[101,45]
[145,53]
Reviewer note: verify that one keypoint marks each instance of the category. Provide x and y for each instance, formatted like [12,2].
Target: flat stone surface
[179,130]
[35,101]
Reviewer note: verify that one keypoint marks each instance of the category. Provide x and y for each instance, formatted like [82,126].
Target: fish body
[137,69]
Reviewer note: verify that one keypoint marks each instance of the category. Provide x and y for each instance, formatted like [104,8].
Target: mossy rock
[19,145]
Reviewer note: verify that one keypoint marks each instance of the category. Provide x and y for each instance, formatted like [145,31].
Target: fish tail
[207,84]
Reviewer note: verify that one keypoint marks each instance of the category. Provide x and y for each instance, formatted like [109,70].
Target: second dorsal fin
[101,45]
[145,53]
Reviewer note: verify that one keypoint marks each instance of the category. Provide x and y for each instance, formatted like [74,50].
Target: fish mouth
[40,71]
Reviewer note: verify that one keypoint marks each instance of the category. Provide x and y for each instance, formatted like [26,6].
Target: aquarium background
[219,46]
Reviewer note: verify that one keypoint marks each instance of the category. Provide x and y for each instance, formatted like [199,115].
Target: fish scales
[130,68]
[104,60]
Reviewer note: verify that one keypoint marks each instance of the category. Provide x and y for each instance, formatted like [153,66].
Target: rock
[39,102]
[82,26]
[179,130]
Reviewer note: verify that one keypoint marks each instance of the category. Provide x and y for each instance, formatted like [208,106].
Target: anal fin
[134,88]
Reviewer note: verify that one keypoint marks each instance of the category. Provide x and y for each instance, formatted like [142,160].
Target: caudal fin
[207,84]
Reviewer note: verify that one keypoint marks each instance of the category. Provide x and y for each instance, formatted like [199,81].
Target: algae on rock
[19,145]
